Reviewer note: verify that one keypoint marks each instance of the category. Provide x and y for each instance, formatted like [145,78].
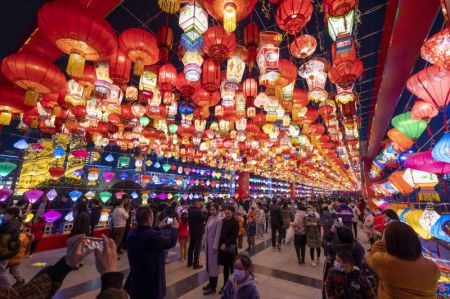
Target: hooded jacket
[245,290]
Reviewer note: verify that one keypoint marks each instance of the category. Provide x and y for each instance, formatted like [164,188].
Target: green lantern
[166,167]
[412,128]
[105,196]
[124,161]
[144,120]
[6,168]
[173,128]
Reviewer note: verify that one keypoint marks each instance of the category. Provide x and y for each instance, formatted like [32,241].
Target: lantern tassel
[229,17]
[5,118]
[75,66]
[139,67]
[31,97]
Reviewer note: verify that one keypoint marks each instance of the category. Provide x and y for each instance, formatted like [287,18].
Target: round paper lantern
[6,168]
[441,150]
[400,139]
[344,73]
[431,84]
[105,196]
[165,42]
[141,47]
[167,77]
[424,161]
[436,50]
[34,74]
[56,172]
[338,7]
[293,15]
[78,31]
[120,68]
[218,44]
[251,41]
[250,89]
[51,195]
[11,103]
[186,88]
[210,75]
[423,110]
[303,46]
[410,127]
[33,195]
[206,99]
[229,11]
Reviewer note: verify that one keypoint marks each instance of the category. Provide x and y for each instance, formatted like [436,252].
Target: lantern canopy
[408,126]
[293,15]
[441,150]
[431,84]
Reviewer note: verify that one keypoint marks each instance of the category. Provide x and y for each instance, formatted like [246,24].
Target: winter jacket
[197,221]
[81,224]
[246,290]
[260,216]
[250,229]
[352,285]
[9,239]
[96,213]
[326,215]
[345,212]
[37,229]
[354,248]
[24,243]
[286,215]
[183,230]
[276,218]
[299,222]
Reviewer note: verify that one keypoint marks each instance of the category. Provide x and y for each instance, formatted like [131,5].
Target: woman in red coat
[183,235]
[37,230]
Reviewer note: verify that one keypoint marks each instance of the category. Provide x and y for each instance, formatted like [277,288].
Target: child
[242,284]
[17,260]
[37,230]
[251,233]
[240,220]
[183,235]
[345,281]
[252,212]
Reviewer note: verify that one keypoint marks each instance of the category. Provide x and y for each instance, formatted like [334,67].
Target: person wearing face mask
[345,281]
[242,285]
[368,225]
[313,238]
[356,213]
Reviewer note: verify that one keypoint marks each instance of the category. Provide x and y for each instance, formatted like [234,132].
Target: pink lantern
[120,194]
[79,153]
[33,195]
[108,176]
[187,170]
[423,110]
[425,162]
[432,85]
[51,216]
[5,194]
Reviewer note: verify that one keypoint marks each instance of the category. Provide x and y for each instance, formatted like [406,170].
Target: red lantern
[206,99]
[119,68]
[167,77]
[210,75]
[300,98]
[141,47]
[79,111]
[288,71]
[56,172]
[78,31]
[423,110]
[336,8]
[431,85]
[165,42]
[34,74]
[293,15]
[250,88]
[11,102]
[220,9]
[348,109]
[344,73]
[251,41]
[303,46]
[186,88]
[218,43]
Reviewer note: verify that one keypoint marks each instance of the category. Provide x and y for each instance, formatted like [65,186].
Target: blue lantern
[58,152]
[441,228]
[21,144]
[185,108]
[74,195]
[123,176]
[134,195]
[137,178]
[441,149]
[109,158]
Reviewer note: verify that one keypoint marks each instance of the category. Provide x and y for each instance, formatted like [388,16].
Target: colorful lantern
[21,144]
[211,75]
[436,50]
[51,195]
[33,195]
[303,46]
[58,152]
[166,167]
[408,126]
[441,228]
[218,43]
[80,153]
[108,176]
[268,57]
[428,219]
[236,65]
[192,61]
[344,72]
[432,85]
[119,72]
[193,20]
[56,172]
[51,216]
[5,194]
[6,168]
[441,150]
[412,218]
[315,72]
[105,196]
[423,110]
[75,195]
[292,16]
[341,26]
[124,161]
[424,161]
[167,77]
[251,41]
[229,11]
[400,139]
[338,7]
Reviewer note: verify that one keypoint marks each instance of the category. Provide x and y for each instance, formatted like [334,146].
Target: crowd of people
[394,266]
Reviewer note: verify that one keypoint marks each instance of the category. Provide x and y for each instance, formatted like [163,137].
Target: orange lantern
[119,68]
[303,46]
[300,98]
[400,139]
[206,99]
[218,43]
[345,72]
[11,103]
[293,15]
[167,77]
[165,42]
[423,110]
[288,71]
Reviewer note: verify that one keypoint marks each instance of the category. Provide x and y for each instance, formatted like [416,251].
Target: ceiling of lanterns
[310,157]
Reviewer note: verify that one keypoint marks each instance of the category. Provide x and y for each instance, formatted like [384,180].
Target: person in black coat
[9,241]
[82,221]
[96,213]
[146,245]
[228,243]
[63,206]
[276,223]
[196,220]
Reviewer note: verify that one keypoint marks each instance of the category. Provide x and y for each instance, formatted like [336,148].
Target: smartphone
[169,220]
[93,243]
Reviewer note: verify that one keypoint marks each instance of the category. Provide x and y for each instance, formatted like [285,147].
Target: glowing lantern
[124,161]
[167,77]
[211,75]
[109,158]
[105,196]
[268,57]
[423,110]
[315,73]
[58,152]
[431,84]
[6,168]
[436,50]
[78,31]
[120,68]
[51,216]
[131,93]
[412,218]
[424,161]
[21,144]
[344,95]
[56,172]
[51,195]
[33,195]
[400,139]
[338,7]
[148,82]
[108,176]
[428,219]
[236,65]
[341,26]
[251,41]
[5,194]
[166,167]
[218,43]
[140,46]
[229,11]
[292,16]
[80,153]
[303,46]
[441,150]
[192,61]
[344,72]
[193,20]
[441,228]
[408,126]
[75,195]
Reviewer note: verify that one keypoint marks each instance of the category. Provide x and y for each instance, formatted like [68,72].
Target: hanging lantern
[341,26]
[77,31]
[303,46]
[423,110]
[21,144]
[192,61]
[34,74]
[51,195]
[428,219]
[206,99]
[108,176]
[424,161]
[315,72]
[193,20]
[293,15]
[218,43]
[400,139]
[441,150]
[338,7]
[166,167]
[141,47]
[344,73]
[431,84]
[408,126]
[436,50]
[33,195]
[120,68]
[268,57]
[75,195]
[124,161]
[165,42]
[344,96]
[229,11]
[288,72]
[236,65]
[211,75]
[11,103]
[441,228]
[56,172]
[251,41]
[6,168]
[105,196]
[167,77]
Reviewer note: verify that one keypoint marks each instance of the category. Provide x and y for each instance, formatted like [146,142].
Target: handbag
[290,234]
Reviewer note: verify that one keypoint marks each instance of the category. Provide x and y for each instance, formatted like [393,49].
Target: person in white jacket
[119,219]
[356,213]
